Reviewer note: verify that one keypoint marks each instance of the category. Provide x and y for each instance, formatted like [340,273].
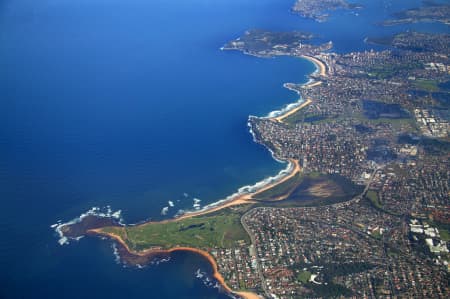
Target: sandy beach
[322,68]
[310,85]
[210,259]
[295,170]
[216,274]
[292,111]
[247,295]
[245,198]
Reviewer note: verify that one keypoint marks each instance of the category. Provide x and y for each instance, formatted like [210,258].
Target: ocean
[132,104]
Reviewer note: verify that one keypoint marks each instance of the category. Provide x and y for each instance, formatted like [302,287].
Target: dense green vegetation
[338,268]
[222,229]
[435,146]
[343,269]
[331,290]
[256,40]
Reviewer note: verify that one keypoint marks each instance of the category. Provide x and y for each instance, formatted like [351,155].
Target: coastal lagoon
[132,104]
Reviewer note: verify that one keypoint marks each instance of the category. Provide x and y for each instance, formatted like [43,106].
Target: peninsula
[363,207]
[429,12]
[318,10]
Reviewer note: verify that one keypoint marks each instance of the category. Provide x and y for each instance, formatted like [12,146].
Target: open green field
[386,71]
[304,276]
[444,230]
[445,235]
[396,123]
[222,229]
[373,197]
[427,85]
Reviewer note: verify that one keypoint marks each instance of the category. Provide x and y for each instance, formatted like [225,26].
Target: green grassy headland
[221,229]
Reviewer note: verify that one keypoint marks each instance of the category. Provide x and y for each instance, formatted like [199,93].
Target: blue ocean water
[132,104]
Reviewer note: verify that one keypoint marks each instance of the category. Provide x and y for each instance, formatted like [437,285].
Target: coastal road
[255,255]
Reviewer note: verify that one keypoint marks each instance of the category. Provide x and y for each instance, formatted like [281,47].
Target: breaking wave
[285,109]
[157,261]
[207,281]
[105,212]
[248,189]
[116,253]
[164,211]
[196,204]
[249,125]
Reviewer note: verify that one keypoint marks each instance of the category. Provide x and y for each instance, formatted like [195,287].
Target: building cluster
[339,133]
[347,249]
[238,267]
[338,147]
[431,124]
[433,239]
[377,119]
[417,188]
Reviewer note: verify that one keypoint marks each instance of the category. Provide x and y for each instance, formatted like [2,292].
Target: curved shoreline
[320,65]
[247,198]
[239,199]
[203,253]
